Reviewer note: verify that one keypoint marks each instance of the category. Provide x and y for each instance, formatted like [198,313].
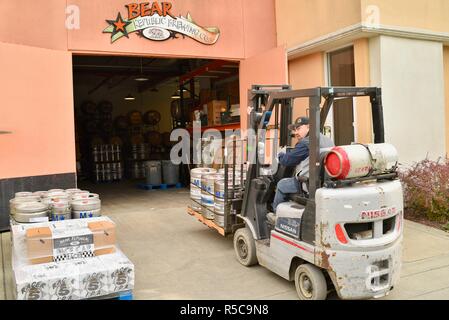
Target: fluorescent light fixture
[129,97]
[141,79]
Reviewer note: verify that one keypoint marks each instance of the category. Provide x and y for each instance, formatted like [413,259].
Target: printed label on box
[80,244]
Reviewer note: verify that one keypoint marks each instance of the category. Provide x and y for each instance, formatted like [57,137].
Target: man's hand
[282,151]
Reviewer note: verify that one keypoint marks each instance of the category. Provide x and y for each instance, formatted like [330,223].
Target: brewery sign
[155,21]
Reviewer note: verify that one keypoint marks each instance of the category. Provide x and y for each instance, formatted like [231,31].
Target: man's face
[301,132]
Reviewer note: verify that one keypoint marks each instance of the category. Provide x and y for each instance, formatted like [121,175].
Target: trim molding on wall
[360,30]
[8,187]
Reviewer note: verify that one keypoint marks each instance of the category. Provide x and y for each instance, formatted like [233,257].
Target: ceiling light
[141,77]
[130,97]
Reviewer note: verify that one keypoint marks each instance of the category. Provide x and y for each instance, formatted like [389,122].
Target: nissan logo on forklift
[347,233]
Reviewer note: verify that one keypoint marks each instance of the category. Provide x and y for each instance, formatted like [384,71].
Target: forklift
[331,237]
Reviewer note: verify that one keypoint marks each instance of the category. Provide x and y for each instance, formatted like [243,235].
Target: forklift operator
[298,157]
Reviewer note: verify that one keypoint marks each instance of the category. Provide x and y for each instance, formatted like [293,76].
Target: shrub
[426,190]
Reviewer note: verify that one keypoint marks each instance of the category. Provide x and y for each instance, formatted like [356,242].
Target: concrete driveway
[176,257]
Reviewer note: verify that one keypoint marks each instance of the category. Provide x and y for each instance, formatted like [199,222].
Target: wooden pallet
[205,221]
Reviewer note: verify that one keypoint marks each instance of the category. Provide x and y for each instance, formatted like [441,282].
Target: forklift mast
[266,101]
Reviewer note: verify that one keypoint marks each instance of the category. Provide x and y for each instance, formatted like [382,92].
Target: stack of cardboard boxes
[215,108]
[69,260]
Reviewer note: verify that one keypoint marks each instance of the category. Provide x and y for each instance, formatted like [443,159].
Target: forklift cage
[263,99]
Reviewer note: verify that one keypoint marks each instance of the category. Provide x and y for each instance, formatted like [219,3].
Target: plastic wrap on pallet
[63,240]
[84,278]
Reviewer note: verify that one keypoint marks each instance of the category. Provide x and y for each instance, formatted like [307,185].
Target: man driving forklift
[297,157]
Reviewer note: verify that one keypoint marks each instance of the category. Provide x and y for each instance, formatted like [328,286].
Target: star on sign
[119,25]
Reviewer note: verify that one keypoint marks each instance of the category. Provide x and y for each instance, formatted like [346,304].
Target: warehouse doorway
[126,108]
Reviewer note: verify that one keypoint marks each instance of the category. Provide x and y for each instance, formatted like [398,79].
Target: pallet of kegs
[106,153]
[53,205]
[108,172]
[107,163]
[209,193]
[196,176]
[140,151]
[223,200]
[136,169]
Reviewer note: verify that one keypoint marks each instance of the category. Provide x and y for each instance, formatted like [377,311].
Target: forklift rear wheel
[245,247]
[310,283]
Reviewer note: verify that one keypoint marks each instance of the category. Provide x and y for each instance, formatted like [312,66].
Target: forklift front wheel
[245,247]
[310,282]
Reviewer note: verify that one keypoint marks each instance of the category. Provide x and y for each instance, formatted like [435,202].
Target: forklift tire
[310,282]
[245,247]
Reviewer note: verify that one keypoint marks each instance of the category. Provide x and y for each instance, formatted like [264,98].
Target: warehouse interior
[126,107]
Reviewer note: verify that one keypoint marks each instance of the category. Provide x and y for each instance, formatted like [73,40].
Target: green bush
[426,190]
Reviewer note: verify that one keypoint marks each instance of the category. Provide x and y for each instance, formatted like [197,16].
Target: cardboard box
[92,278]
[104,233]
[39,245]
[214,110]
[120,276]
[69,241]
[75,279]
[49,281]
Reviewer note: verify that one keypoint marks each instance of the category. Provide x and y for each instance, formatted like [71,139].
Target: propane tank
[357,160]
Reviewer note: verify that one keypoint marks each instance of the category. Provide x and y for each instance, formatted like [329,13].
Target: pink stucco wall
[36,83]
[37,107]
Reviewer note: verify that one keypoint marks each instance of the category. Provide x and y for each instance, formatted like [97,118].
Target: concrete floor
[176,257]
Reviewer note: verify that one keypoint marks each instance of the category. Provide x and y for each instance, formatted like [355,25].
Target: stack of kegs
[223,200]
[196,176]
[139,151]
[107,163]
[54,205]
[209,193]
[137,162]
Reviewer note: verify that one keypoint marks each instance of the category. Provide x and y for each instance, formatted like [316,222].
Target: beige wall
[302,20]
[446,91]
[420,14]
[305,72]
[412,95]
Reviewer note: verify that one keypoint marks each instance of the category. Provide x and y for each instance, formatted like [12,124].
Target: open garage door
[37,114]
